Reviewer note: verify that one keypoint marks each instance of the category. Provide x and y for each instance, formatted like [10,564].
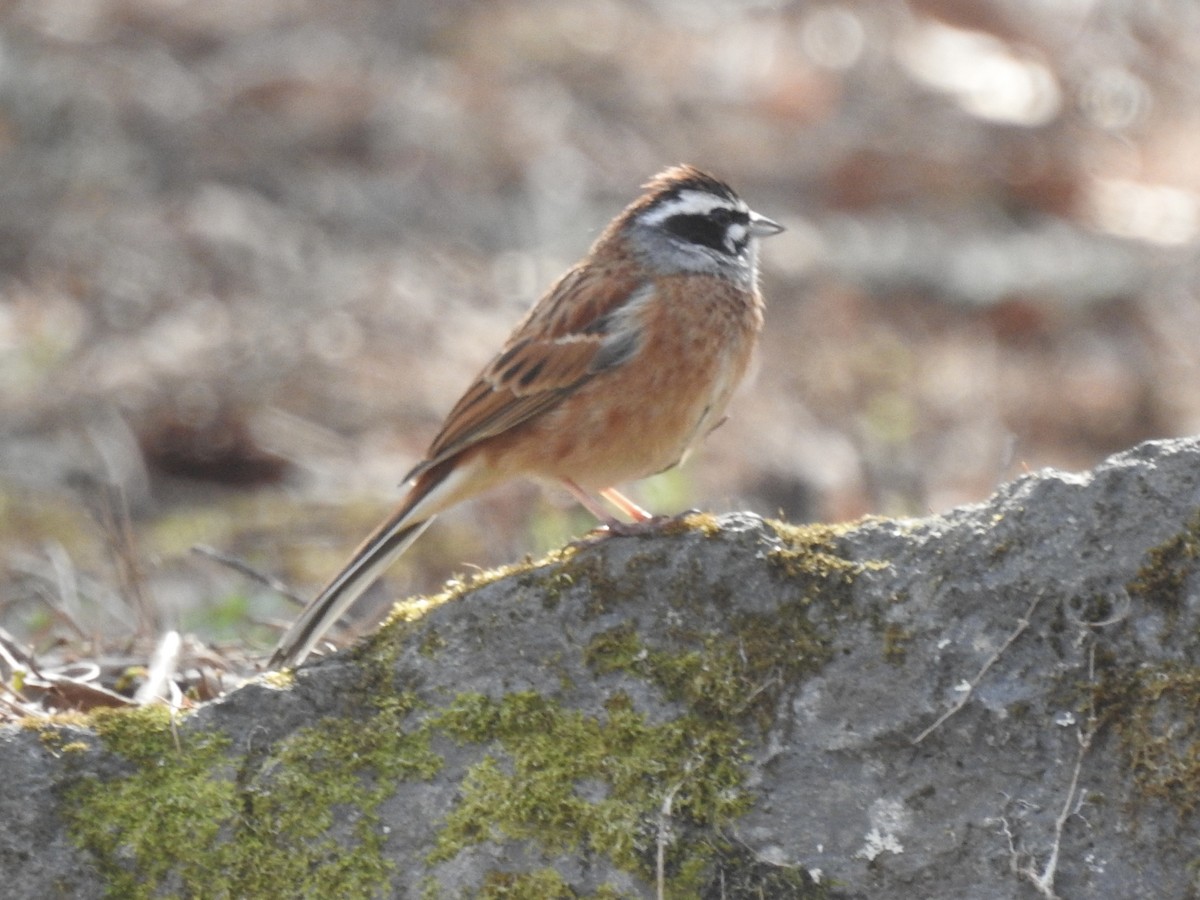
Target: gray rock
[1002,702]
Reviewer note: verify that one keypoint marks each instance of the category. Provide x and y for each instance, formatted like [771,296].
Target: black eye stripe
[697,229]
[709,229]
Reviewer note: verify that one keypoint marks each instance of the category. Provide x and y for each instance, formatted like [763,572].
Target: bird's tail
[373,556]
[377,552]
[436,485]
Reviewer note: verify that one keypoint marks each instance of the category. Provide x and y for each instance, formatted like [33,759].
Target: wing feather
[574,332]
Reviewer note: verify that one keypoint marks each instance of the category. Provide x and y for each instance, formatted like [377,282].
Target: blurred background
[250,254]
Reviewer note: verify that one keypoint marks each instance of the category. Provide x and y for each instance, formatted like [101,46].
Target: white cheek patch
[735,236]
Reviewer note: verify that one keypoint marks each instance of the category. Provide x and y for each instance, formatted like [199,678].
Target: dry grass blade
[110,507]
[13,656]
[244,568]
[159,679]
[65,692]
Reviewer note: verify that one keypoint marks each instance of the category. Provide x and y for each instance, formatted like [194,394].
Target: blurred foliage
[251,252]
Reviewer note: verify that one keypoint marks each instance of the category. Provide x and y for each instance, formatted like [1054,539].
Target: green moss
[52,731]
[336,763]
[141,734]
[743,876]
[811,551]
[278,679]
[130,678]
[895,643]
[705,523]
[735,674]
[572,782]
[413,609]
[407,613]
[605,591]
[162,821]
[183,822]
[568,782]
[544,884]
[553,587]
[618,649]
[1163,576]
[545,775]
[1155,710]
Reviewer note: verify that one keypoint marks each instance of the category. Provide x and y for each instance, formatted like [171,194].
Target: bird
[620,368]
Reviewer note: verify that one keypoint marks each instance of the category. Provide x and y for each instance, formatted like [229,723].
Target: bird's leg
[643,522]
[625,505]
[590,503]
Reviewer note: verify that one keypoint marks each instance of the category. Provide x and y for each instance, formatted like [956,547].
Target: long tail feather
[377,552]
[381,548]
[434,489]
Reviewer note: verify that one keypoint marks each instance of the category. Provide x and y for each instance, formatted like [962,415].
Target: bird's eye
[722,215]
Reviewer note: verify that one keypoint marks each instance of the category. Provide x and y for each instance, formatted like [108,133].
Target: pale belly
[645,420]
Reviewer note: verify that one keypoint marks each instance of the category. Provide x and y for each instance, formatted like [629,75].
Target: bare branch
[1022,625]
[244,568]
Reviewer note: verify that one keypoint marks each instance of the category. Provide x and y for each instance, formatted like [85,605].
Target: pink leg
[625,505]
[642,522]
[588,502]
[613,496]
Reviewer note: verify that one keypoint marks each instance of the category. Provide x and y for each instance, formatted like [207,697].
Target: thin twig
[1022,625]
[116,520]
[749,698]
[66,581]
[1044,880]
[47,578]
[18,707]
[14,656]
[244,568]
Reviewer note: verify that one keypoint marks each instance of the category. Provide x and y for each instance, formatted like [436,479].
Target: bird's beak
[761,226]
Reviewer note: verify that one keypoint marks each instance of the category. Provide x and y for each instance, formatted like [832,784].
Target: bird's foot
[617,528]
